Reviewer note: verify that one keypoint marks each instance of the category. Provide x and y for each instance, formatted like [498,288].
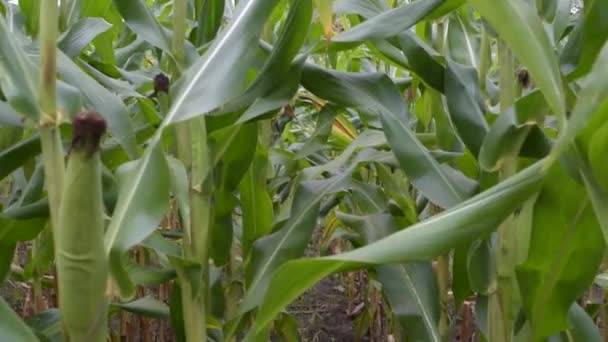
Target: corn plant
[455,149]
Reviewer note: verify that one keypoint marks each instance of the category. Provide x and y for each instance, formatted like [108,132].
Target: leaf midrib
[430,327]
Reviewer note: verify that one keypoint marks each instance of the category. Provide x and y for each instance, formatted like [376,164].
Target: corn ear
[81,261]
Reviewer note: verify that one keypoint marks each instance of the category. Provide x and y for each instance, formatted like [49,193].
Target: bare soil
[322,313]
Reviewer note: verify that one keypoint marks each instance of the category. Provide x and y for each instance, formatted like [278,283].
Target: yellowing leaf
[325,12]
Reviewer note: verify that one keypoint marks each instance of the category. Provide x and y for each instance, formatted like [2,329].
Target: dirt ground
[322,314]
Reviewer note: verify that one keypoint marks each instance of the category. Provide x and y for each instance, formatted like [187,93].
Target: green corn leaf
[12,327]
[510,130]
[278,80]
[598,197]
[514,19]
[146,306]
[104,42]
[586,41]
[31,11]
[290,241]
[463,101]
[364,8]
[19,76]
[139,17]
[233,151]
[101,100]
[210,15]
[463,43]
[591,108]
[423,241]
[441,184]
[79,35]
[256,203]
[318,139]
[446,7]
[8,117]
[422,60]
[204,86]
[389,24]
[566,249]
[583,327]
[143,199]
[410,289]
[137,212]
[47,324]
[16,155]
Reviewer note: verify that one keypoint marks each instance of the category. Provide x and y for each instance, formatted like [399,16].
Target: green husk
[81,261]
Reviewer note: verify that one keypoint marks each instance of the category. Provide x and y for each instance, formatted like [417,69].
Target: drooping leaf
[423,241]
[79,35]
[480,266]
[410,289]
[99,99]
[13,231]
[376,92]
[389,24]
[460,274]
[179,189]
[139,17]
[561,21]
[117,86]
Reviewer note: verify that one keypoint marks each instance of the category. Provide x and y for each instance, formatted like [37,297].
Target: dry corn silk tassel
[81,262]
